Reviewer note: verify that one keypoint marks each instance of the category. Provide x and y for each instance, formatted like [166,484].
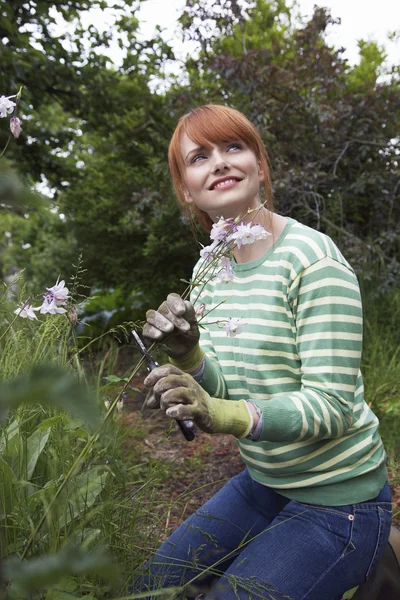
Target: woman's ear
[260,172]
[188,197]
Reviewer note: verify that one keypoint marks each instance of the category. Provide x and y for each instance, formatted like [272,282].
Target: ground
[198,468]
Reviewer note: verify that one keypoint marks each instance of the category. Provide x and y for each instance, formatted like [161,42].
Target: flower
[226,273]
[246,233]
[233,327]
[15,127]
[222,229]
[26,311]
[107,404]
[120,406]
[199,310]
[50,306]
[207,252]
[6,106]
[58,292]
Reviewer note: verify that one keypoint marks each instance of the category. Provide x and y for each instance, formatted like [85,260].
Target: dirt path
[196,469]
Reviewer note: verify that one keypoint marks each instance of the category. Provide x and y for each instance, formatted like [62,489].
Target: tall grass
[381,364]
[60,483]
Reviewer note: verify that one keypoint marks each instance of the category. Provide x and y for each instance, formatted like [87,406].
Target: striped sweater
[298,360]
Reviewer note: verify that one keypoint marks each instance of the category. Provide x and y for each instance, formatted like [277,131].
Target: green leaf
[83,491]
[8,481]
[35,445]
[8,434]
[50,422]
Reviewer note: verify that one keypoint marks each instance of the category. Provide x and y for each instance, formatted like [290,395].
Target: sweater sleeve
[326,306]
[212,379]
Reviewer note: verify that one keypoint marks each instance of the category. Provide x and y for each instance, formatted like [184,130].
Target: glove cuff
[190,361]
[230,416]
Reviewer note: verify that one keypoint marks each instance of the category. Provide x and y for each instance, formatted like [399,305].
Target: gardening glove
[175,325]
[182,398]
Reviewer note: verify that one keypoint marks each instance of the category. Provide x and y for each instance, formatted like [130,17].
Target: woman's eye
[194,159]
[234,145]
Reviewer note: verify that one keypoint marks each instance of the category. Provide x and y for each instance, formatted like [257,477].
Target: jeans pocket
[385,521]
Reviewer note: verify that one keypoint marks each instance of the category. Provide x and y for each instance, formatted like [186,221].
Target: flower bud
[15,126]
[73,317]
[199,310]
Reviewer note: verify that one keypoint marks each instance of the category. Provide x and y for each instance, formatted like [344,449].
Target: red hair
[214,123]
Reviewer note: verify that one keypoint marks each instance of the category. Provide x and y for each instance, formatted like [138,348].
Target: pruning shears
[185,426]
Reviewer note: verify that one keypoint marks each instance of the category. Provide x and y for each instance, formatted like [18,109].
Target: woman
[310,515]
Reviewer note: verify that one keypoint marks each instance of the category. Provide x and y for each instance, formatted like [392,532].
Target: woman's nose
[219,162]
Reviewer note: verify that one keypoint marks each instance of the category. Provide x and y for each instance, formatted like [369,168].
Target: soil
[196,470]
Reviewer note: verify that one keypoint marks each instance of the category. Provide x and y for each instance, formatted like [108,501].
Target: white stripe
[330,369]
[299,405]
[257,352]
[328,385]
[331,352]
[338,416]
[239,364]
[329,318]
[328,301]
[262,277]
[255,336]
[263,292]
[260,323]
[262,382]
[330,282]
[296,252]
[330,335]
[304,238]
[335,264]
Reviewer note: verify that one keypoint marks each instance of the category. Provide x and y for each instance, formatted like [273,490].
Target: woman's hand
[182,398]
[174,324]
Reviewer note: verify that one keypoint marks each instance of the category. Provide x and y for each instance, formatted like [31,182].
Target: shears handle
[185,426]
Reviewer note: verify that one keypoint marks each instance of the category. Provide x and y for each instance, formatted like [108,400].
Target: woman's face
[222,180]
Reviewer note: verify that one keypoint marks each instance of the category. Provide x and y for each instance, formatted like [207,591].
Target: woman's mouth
[225,184]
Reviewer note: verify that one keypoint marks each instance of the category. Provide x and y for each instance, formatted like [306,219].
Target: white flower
[207,252]
[120,406]
[58,292]
[233,327]
[259,232]
[15,127]
[6,106]
[107,404]
[226,273]
[49,306]
[26,312]
[247,233]
[222,228]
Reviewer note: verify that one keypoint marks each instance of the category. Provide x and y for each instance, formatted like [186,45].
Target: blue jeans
[248,541]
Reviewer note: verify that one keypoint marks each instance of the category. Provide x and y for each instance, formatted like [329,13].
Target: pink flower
[199,310]
[15,127]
